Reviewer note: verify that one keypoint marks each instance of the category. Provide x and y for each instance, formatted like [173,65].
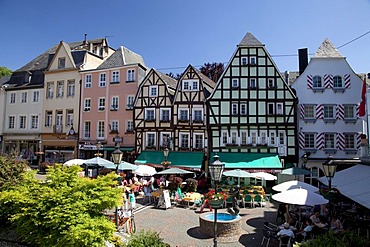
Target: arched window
[338,83]
[317,81]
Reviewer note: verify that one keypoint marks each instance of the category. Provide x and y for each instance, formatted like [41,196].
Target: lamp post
[215,170]
[304,160]
[117,159]
[165,163]
[329,168]
[98,146]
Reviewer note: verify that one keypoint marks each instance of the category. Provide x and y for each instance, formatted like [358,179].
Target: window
[309,111]
[184,115]
[243,138]
[263,138]
[281,138]
[130,75]
[195,86]
[165,139]
[272,139]
[36,96]
[253,138]
[243,109]
[150,139]
[329,112]
[349,112]
[102,80]
[88,81]
[114,105]
[185,85]
[22,122]
[50,90]
[252,83]
[184,140]
[235,83]
[309,140]
[101,106]
[165,115]
[71,88]
[11,122]
[234,109]
[87,130]
[253,60]
[349,141]
[271,83]
[153,91]
[59,119]
[279,108]
[69,114]
[329,141]
[149,115]
[234,137]
[115,77]
[34,122]
[198,141]
[24,97]
[244,61]
[130,126]
[12,98]
[317,82]
[114,126]
[60,89]
[270,108]
[224,138]
[338,81]
[101,129]
[197,115]
[61,63]
[48,118]
[190,85]
[87,104]
[130,101]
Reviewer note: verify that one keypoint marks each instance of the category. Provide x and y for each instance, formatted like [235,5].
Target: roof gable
[327,50]
[121,57]
[63,51]
[250,40]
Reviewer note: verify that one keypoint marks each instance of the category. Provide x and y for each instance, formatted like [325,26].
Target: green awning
[191,160]
[123,149]
[249,160]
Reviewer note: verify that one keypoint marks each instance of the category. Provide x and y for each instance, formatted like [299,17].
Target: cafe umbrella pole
[216,169]
[117,159]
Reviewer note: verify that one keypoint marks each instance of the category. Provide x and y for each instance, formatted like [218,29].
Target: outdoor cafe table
[192,197]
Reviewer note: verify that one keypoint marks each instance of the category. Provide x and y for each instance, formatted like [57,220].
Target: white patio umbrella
[264,175]
[238,174]
[174,171]
[294,184]
[99,162]
[300,196]
[144,170]
[125,166]
[74,162]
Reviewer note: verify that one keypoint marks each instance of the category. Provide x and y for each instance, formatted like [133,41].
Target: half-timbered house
[252,112]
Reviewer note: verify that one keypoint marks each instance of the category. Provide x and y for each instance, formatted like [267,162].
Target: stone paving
[179,226]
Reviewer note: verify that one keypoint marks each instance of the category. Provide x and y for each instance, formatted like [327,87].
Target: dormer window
[153,91]
[190,85]
[61,63]
[317,83]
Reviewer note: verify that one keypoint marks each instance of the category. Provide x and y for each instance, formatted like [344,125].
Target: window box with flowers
[215,200]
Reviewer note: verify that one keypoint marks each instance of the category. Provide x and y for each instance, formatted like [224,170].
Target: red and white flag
[362,109]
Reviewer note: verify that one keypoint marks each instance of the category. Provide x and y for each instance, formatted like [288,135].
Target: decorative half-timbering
[252,109]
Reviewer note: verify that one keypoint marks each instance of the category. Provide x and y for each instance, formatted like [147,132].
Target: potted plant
[215,200]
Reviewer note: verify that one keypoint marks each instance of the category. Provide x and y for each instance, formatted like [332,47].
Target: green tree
[145,239]
[11,171]
[4,71]
[63,210]
[212,70]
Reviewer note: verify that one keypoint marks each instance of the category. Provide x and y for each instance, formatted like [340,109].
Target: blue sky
[173,33]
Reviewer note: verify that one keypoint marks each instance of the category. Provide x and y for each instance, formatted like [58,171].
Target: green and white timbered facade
[252,109]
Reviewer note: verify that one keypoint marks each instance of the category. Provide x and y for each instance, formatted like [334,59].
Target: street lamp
[166,163]
[215,170]
[117,159]
[329,168]
[304,160]
[98,146]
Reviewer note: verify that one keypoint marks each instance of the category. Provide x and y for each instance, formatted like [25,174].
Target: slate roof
[122,56]
[4,80]
[172,83]
[250,40]
[327,50]
[208,84]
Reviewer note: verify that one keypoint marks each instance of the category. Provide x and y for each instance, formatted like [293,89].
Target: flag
[361,111]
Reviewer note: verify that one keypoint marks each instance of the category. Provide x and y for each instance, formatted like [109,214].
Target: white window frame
[263,137]
[50,90]
[22,120]
[224,138]
[69,117]
[11,122]
[87,130]
[48,118]
[272,138]
[234,109]
[169,114]
[252,60]
[234,138]
[329,141]
[87,104]
[346,108]
[180,116]
[23,97]
[243,137]
[60,89]
[101,103]
[235,83]
[102,79]
[115,76]
[153,90]
[252,83]
[327,110]
[12,98]
[61,63]
[114,125]
[317,82]
[147,110]
[310,138]
[88,83]
[243,109]
[244,61]
[114,103]
[271,83]
[130,75]
[129,125]
[335,81]
[195,136]
[147,134]
[181,139]
[164,136]
[59,118]
[253,137]
[130,101]
[36,96]
[279,108]
[100,130]
[195,110]
[281,137]
[349,141]
[34,122]
[313,111]
[71,87]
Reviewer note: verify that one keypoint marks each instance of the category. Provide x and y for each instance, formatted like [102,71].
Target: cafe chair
[248,199]
[257,200]
[268,234]
[285,241]
[229,200]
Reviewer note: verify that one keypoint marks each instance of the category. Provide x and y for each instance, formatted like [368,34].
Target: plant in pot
[216,200]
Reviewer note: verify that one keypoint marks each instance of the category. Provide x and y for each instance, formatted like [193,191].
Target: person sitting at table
[286,231]
[303,233]
[336,225]
[315,217]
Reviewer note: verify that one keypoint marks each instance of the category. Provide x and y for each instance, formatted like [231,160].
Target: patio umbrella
[300,196]
[174,171]
[145,171]
[97,161]
[125,166]
[74,162]
[264,175]
[295,171]
[294,184]
[238,174]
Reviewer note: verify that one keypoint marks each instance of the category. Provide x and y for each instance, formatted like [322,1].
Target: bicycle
[126,220]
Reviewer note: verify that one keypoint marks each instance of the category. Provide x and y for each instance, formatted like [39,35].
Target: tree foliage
[4,71]
[172,75]
[212,70]
[11,170]
[346,239]
[63,210]
[145,239]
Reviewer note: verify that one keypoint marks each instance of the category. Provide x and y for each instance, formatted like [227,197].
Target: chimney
[302,59]
[85,40]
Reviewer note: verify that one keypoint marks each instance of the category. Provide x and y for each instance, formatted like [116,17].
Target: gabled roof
[122,56]
[67,49]
[208,84]
[250,40]
[4,80]
[327,50]
[172,83]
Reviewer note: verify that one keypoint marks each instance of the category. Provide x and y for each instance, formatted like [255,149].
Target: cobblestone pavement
[180,226]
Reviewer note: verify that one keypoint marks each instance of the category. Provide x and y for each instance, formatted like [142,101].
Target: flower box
[216,203]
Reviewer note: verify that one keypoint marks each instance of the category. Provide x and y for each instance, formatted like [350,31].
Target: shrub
[346,239]
[191,185]
[146,238]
